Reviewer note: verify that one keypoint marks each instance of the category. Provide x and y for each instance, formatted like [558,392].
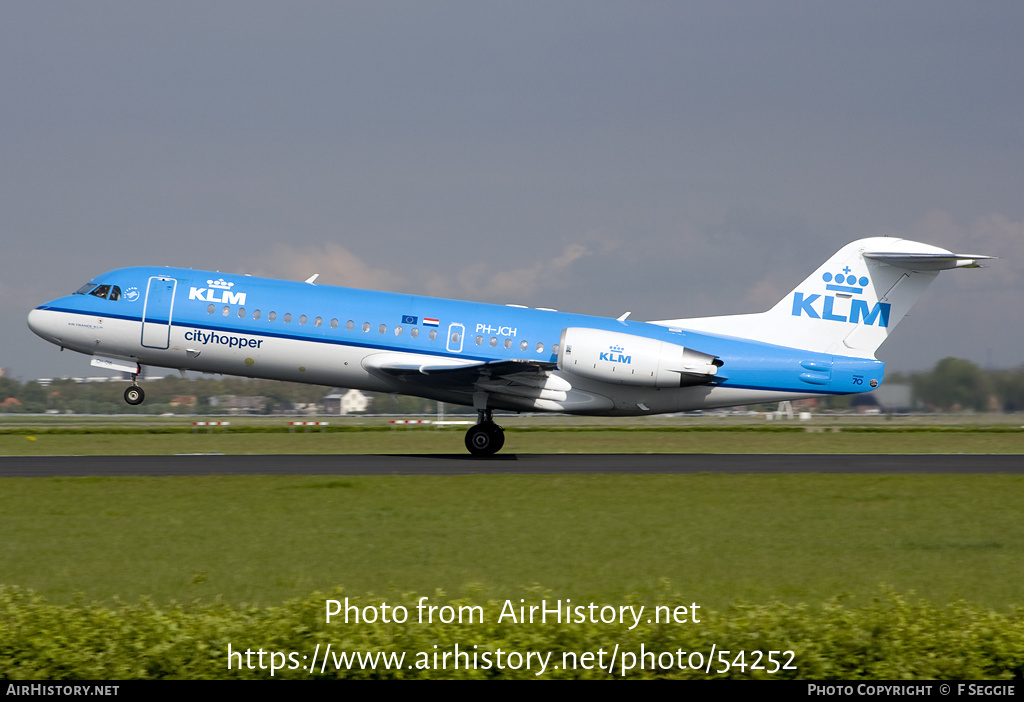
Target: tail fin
[850,304]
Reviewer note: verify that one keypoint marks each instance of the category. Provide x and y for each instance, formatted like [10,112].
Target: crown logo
[845,281]
[616,349]
[220,284]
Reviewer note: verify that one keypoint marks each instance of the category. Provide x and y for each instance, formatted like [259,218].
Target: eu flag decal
[409,319]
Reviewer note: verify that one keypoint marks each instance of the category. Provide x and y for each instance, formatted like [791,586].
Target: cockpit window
[106,292]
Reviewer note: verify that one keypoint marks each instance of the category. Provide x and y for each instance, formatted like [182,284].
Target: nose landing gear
[134,394]
[485,438]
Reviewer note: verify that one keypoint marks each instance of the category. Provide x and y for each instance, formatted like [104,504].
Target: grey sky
[669,158]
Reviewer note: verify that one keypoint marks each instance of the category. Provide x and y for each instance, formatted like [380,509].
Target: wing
[516,384]
[457,373]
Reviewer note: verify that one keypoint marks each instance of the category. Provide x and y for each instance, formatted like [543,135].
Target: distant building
[346,402]
[893,397]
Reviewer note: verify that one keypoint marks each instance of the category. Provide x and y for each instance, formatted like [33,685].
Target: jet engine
[627,359]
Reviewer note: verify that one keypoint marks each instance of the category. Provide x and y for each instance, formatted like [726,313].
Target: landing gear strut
[134,394]
[485,438]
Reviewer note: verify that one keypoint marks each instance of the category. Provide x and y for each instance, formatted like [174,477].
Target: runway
[510,464]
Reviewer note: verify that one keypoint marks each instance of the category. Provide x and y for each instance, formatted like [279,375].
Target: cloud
[335,264]
[480,281]
[485,281]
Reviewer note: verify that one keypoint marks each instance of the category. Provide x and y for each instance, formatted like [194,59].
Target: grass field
[718,539]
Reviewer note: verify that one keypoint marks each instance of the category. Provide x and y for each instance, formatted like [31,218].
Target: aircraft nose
[43,322]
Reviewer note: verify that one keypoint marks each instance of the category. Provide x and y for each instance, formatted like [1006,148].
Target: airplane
[820,339]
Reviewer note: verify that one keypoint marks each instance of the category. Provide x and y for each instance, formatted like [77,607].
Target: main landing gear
[485,438]
[134,395]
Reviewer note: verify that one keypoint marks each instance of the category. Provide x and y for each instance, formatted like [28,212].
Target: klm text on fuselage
[219,295]
[827,308]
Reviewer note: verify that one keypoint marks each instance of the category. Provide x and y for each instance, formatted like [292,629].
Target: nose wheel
[485,438]
[134,394]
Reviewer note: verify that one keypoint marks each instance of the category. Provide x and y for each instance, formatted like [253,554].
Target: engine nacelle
[614,357]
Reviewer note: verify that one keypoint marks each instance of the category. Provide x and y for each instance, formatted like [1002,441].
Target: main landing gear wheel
[134,395]
[485,439]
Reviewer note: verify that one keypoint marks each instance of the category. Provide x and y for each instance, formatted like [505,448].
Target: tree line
[200,396]
[958,384]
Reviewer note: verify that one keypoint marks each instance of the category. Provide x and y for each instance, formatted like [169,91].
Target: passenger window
[382,328]
[302,320]
[272,316]
[508,343]
[415,332]
[433,334]
[210,309]
[255,314]
[479,340]
[241,312]
[287,318]
[398,331]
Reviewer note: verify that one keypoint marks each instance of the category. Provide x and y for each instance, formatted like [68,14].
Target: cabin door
[156,313]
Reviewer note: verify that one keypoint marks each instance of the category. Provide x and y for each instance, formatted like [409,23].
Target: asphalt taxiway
[535,464]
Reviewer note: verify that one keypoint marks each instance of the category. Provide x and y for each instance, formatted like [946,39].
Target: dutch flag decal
[431,322]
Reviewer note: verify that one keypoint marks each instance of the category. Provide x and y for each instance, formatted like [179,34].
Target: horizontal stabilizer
[928,262]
